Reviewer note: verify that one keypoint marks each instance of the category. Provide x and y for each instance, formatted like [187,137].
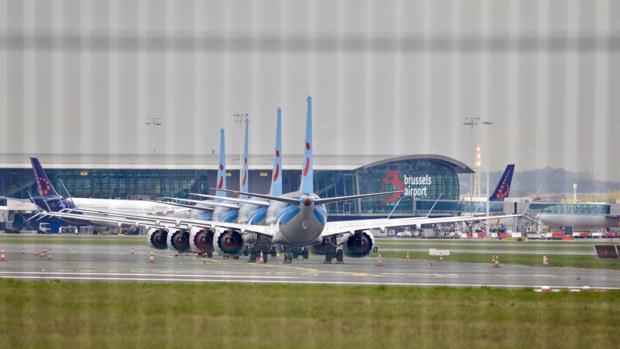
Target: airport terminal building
[423,178]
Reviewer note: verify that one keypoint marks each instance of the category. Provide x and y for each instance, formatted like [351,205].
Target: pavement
[121,263]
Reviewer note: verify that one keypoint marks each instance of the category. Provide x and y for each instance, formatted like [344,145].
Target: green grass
[506,246]
[573,261]
[106,315]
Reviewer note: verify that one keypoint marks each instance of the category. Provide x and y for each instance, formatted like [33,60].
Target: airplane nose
[307,201]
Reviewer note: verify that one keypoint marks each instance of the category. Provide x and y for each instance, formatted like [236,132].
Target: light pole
[241,119]
[154,122]
[475,122]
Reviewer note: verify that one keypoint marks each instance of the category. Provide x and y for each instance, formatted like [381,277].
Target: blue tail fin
[221,169]
[276,174]
[44,185]
[307,175]
[503,186]
[245,174]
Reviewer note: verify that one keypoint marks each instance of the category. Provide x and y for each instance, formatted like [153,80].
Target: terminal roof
[210,161]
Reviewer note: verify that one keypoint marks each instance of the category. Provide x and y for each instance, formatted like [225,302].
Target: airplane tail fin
[245,174]
[44,185]
[503,186]
[276,174]
[307,175]
[221,170]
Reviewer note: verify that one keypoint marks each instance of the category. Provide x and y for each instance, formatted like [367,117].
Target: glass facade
[421,179]
[572,209]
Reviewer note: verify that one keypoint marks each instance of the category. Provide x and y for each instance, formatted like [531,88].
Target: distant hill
[547,180]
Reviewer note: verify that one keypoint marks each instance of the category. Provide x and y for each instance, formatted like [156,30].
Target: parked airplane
[294,220]
[248,210]
[50,200]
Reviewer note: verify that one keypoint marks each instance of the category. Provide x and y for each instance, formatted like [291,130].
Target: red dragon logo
[392,178]
[44,186]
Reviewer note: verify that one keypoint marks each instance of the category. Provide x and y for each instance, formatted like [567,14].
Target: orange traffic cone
[379,261]
[151,257]
[261,258]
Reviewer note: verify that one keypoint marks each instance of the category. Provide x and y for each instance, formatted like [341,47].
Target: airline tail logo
[245,172]
[220,183]
[44,186]
[503,187]
[307,166]
[276,174]
[392,177]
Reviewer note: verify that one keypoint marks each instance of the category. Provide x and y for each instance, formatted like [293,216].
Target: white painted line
[305,282]
[160,275]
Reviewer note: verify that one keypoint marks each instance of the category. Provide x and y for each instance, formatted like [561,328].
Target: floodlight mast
[475,122]
[241,119]
[154,122]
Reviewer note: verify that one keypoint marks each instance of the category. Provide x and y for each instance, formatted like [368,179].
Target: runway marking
[56,273]
[454,275]
[305,282]
[348,273]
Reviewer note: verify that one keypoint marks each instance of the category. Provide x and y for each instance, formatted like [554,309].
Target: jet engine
[201,240]
[359,244]
[229,242]
[178,240]
[157,239]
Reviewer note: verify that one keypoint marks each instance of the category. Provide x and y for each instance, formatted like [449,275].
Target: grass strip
[111,315]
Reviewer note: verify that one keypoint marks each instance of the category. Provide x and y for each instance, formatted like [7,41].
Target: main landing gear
[334,254]
[295,253]
[255,252]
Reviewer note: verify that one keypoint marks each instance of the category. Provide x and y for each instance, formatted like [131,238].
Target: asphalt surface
[118,263]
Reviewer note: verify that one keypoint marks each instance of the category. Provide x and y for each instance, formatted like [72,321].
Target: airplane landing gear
[253,255]
[339,256]
[288,258]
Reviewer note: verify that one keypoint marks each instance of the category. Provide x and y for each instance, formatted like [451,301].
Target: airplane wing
[341,227]
[153,221]
[210,203]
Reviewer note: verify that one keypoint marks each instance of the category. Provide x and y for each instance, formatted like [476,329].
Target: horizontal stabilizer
[238,200]
[352,197]
[210,203]
[264,196]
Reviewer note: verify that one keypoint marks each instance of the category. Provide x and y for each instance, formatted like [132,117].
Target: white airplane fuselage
[129,206]
[297,225]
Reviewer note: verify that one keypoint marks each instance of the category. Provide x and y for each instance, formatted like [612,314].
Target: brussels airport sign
[411,186]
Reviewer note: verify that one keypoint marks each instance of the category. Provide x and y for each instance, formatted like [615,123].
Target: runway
[117,263]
